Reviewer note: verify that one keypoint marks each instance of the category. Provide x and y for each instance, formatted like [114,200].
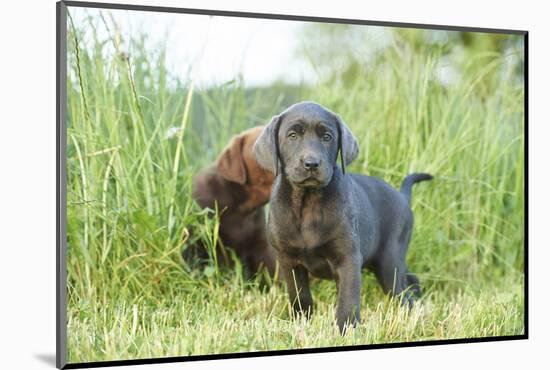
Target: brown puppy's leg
[348,280]
[297,282]
[263,258]
[262,263]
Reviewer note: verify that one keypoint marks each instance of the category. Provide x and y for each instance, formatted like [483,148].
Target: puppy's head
[303,143]
[237,164]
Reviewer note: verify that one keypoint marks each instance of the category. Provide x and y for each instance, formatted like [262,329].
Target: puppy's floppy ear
[230,163]
[266,147]
[347,143]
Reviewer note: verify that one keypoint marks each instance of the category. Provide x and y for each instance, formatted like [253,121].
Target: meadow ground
[136,137]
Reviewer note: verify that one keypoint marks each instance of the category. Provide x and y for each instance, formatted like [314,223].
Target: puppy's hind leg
[392,274]
[414,284]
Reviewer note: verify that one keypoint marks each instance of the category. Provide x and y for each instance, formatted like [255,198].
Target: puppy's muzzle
[311,164]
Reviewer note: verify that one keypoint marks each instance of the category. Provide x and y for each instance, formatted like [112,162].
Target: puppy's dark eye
[292,135]
[327,137]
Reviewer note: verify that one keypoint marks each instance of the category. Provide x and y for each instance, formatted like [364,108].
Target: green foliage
[130,212]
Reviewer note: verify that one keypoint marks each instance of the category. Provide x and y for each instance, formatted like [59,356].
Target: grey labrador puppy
[327,223]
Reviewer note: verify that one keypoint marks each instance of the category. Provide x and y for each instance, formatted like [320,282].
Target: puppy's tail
[406,186]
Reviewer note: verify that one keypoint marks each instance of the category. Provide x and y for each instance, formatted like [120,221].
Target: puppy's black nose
[311,163]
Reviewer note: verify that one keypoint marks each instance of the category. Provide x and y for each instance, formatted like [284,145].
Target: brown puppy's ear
[266,147]
[230,163]
[347,143]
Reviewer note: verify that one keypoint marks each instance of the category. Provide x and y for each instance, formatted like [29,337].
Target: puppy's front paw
[304,309]
[348,324]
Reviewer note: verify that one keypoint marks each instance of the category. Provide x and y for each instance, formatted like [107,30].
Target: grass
[129,210]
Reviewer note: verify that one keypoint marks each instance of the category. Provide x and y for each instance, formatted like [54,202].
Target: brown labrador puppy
[240,188]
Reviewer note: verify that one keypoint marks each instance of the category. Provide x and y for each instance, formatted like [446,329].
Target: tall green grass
[130,213]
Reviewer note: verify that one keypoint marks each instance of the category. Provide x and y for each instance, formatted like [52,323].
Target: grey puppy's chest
[309,228]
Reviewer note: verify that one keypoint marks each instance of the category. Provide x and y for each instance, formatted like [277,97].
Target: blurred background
[280,61]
